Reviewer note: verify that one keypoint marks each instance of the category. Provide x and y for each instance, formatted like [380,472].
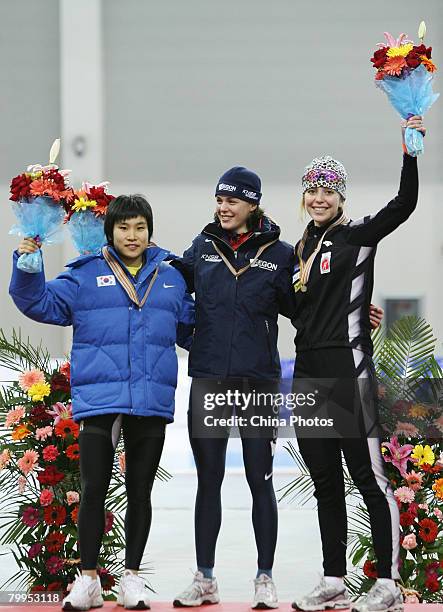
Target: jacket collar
[152,256]
[318,230]
[267,232]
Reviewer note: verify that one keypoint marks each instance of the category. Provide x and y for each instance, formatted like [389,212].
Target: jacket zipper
[268,340]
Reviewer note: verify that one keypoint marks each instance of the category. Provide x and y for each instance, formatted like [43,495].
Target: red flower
[106,579]
[59,382]
[431,469]
[20,187]
[428,530]
[54,542]
[406,519]
[67,427]
[109,521]
[37,588]
[432,583]
[31,516]
[55,586]
[54,514]
[422,50]
[370,569]
[73,452]
[54,565]
[50,453]
[50,476]
[74,514]
[413,60]
[379,57]
[65,369]
[39,416]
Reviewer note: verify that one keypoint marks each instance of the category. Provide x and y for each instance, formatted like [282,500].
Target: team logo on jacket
[209,257]
[325,263]
[264,265]
[106,281]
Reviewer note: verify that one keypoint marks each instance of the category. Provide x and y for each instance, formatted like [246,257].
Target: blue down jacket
[236,319]
[123,359]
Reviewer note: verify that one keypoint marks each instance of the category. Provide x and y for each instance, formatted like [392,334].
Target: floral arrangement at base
[410,393]
[40,478]
[38,197]
[85,217]
[405,72]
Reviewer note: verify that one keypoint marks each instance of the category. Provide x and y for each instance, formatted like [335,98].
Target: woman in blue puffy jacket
[128,308]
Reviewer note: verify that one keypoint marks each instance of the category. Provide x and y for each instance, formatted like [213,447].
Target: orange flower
[438,488]
[394,65]
[428,64]
[41,187]
[67,427]
[73,452]
[20,432]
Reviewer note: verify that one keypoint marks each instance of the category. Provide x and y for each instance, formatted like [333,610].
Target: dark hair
[252,221]
[128,207]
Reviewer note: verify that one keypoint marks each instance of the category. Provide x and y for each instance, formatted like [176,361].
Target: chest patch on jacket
[106,281]
[325,263]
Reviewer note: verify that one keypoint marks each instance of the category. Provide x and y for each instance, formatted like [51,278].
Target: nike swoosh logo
[208,240]
[167,286]
[268,476]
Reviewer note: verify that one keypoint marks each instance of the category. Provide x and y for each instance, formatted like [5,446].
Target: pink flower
[122,462]
[412,598]
[28,462]
[30,377]
[35,550]
[14,416]
[5,458]
[414,480]
[60,411]
[22,482]
[31,516]
[424,507]
[43,433]
[50,453]
[407,430]
[405,495]
[438,513]
[399,455]
[72,497]
[409,541]
[46,497]
[54,564]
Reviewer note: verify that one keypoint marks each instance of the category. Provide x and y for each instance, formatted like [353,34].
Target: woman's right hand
[28,245]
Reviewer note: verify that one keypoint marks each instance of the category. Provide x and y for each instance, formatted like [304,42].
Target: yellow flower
[83,204]
[38,391]
[402,51]
[384,450]
[418,412]
[423,454]
[438,488]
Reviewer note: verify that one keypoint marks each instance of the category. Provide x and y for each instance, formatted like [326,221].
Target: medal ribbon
[239,272]
[124,280]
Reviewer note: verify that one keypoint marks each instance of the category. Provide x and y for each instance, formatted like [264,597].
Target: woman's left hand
[375,316]
[415,122]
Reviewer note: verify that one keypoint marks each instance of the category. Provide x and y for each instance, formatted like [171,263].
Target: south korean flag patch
[325,263]
[106,281]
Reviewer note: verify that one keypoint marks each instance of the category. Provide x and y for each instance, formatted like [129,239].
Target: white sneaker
[201,591]
[265,596]
[380,598]
[132,592]
[324,597]
[86,593]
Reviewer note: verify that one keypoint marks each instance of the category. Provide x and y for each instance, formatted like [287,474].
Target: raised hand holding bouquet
[85,217]
[405,72]
[38,198]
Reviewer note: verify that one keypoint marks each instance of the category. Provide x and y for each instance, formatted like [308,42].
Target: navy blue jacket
[123,358]
[236,320]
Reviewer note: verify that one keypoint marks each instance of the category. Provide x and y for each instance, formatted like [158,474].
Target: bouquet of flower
[38,198]
[85,217]
[405,73]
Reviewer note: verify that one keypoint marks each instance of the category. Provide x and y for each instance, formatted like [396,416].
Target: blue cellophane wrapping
[87,232]
[39,218]
[411,95]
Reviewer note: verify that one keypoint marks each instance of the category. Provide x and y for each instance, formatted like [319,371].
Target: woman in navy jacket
[128,308]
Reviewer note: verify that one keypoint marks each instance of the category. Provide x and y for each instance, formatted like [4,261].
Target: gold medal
[304,288]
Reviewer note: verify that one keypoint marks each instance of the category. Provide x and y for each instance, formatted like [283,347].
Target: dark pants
[144,438]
